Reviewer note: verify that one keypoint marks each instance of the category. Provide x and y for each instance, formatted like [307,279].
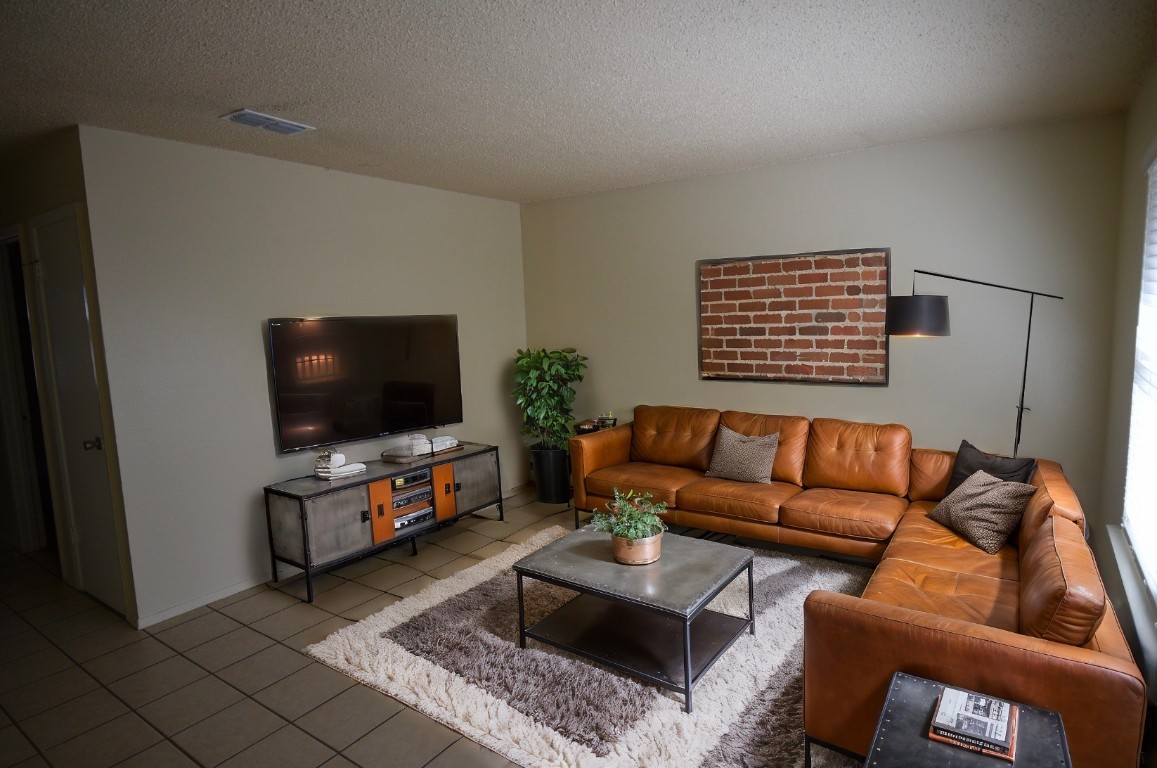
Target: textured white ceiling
[539,99]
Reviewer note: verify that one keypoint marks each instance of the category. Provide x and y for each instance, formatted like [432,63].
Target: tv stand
[317,525]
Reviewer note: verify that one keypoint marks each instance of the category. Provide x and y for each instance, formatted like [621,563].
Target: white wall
[613,275]
[194,249]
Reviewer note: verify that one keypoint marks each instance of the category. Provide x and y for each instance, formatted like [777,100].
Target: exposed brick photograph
[815,317]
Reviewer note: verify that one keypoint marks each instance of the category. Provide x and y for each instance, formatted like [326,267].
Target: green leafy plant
[632,516]
[544,393]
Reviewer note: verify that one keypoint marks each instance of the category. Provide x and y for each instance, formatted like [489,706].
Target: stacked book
[331,465]
[976,722]
[420,445]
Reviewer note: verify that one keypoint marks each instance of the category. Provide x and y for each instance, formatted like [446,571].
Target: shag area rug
[451,651]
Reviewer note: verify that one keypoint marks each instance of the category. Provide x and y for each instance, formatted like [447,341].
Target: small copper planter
[638,551]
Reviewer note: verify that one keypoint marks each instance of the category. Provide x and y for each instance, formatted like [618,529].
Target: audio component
[406,498]
[412,478]
[414,518]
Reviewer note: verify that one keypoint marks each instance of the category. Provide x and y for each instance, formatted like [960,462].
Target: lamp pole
[1020,409]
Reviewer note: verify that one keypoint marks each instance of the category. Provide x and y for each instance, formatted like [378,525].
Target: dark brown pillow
[969,459]
[743,457]
[984,510]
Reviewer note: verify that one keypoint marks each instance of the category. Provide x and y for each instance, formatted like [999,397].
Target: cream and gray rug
[451,652]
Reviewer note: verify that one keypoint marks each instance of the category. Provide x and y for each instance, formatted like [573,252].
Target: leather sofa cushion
[1061,594]
[858,457]
[755,501]
[919,539]
[847,513]
[660,480]
[929,473]
[943,592]
[676,436]
[1065,503]
[1040,506]
[793,434]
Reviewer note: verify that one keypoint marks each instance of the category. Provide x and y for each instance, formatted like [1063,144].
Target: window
[1140,519]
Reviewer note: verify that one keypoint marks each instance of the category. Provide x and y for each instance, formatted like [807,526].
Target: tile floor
[227,684]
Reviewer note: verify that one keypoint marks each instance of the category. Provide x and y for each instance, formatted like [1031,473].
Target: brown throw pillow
[984,510]
[743,457]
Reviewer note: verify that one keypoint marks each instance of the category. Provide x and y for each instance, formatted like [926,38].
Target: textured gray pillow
[743,457]
[984,509]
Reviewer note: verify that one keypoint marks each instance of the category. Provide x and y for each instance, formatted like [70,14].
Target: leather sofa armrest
[852,646]
[595,451]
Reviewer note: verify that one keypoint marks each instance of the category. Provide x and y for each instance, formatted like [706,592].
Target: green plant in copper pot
[636,529]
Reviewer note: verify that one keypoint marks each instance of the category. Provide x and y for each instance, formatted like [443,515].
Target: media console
[317,525]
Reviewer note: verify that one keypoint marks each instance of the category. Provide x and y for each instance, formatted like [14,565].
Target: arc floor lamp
[927,315]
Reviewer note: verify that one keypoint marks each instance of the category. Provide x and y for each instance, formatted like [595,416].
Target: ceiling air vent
[267,122]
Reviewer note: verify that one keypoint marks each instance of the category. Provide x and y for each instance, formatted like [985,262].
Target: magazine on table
[975,721]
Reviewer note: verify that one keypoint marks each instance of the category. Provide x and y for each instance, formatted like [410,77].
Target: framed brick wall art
[813,317]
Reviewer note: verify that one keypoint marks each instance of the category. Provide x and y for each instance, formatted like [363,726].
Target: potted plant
[635,527]
[544,393]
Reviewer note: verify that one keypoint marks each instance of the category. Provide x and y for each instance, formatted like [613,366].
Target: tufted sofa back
[674,435]
[858,457]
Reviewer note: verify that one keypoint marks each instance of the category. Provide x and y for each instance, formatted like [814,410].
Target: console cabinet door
[477,481]
[339,525]
[444,499]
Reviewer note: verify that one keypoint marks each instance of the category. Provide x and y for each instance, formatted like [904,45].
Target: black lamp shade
[919,315]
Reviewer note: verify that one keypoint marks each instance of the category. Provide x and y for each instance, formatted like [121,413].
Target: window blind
[1140,519]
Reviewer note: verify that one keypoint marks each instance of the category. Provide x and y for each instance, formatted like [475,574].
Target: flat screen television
[339,379]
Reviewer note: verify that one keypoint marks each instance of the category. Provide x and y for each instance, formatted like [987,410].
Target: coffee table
[648,621]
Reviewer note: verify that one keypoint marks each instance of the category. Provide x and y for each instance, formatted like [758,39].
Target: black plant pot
[551,474]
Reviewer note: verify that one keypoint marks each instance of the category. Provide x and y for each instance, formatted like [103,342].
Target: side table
[901,738]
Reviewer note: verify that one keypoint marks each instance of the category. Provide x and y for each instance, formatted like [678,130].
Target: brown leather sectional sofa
[1030,623]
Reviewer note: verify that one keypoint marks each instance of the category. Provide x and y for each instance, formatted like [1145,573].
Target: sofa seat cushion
[919,539]
[847,513]
[730,498]
[660,480]
[942,592]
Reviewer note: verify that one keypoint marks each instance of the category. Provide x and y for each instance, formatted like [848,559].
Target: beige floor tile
[522,517]
[197,631]
[389,576]
[105,745]
[101,641]
[227,649]
[359,612]
[4,719]
[316,633]
[32,762]
[22,644]
[492,549]
[263,669]
[528,532]
[161,755]
[466,542]
[49,593]
[46,693]
[80,624]
[182,708]
[11,624]
[358,568]
[467,754]
[338,762]
[237,597]
[496,530]
[59,609]
[429,556]
[321,585]
[72,718]
[288,747]
[350,715]
[289,621]
[407,740]
[127,660]
[437,537]
[156,681]
[259,606]
[304,690]
[344,597]
[414,586]
[228,732]
[161,626]
[454,566]
[13,746]
[33,667]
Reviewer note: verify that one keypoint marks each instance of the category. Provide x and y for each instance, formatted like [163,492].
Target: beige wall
[194,249]
[613,275]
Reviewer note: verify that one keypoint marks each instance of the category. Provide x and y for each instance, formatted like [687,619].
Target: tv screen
[337,379]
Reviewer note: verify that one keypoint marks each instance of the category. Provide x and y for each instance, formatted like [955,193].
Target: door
[89,522]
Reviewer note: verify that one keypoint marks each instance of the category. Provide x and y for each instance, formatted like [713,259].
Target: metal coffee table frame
[635,636]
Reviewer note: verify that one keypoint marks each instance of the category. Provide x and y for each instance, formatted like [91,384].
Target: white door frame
[46,386]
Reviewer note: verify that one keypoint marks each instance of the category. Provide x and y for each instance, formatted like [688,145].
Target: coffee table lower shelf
[640,642]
